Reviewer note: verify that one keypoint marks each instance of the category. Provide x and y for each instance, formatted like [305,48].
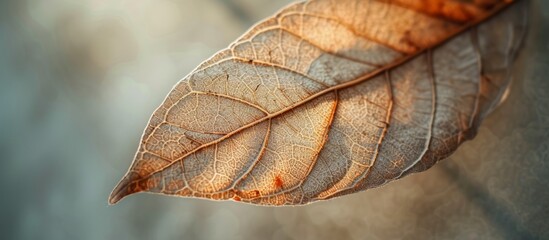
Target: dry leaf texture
[328,98]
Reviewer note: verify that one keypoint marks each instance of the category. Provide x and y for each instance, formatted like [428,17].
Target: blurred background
[79,80]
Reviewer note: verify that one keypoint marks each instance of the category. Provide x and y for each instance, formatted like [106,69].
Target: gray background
[79,80]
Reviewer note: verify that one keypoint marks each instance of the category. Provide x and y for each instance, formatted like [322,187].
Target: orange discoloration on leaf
[253,194]
[278,182]
[450,9]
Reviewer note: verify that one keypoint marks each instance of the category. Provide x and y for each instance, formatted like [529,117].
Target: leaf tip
[121,190]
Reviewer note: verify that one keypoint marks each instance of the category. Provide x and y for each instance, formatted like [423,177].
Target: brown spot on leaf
[407,39]
[253,194]
[278,182]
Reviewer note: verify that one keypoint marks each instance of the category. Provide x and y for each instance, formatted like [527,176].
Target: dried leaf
[328,98]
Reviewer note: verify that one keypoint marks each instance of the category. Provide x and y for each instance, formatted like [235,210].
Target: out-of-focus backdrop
[79,80]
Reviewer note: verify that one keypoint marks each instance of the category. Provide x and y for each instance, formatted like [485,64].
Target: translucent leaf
[329,98]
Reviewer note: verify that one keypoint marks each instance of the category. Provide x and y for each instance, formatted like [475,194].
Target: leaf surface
[328,98]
